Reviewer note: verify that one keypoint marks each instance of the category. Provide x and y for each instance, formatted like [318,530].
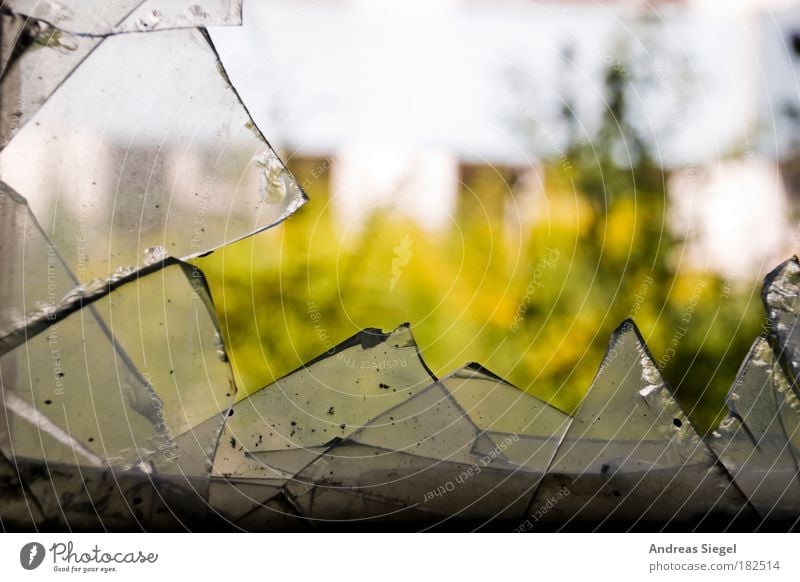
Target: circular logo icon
[31,555]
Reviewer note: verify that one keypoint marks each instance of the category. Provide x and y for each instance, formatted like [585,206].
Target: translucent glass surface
[631,454]
[145,151]
[34,276]
[102,17]
[326,399]
[126,150]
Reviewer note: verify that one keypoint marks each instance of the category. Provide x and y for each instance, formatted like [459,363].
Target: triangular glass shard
[631,455]
[751,442]
[428,454]
[326,399]
[34,277]
[101,17]
[781,298]
[42,58]
[86,17]
[144,152]
[17,506]
[500,409]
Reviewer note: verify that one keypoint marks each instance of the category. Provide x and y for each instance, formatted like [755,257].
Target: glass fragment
[781,298]
[631,455]
[146,145]
[751,441]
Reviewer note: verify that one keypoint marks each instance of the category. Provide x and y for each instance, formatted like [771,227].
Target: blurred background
[515,178]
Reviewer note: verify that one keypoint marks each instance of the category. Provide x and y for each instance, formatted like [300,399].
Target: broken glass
[100,18]
[435,457]
[276,431]
[34,276]
[53,38]
[42,58]
[146,151]
[16,505]
[116,391]
[781,297]
[751,441]
[501,410]
[631,455]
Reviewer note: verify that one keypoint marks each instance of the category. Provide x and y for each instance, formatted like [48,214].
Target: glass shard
[168,14]
[34,276]
[392,485]
[324,400]
[631,455]
[80,498]
[781,298]
[91,414]
[98,17]
[147,145]
[751,441]
[234,499]
[17,506]
[434,455]
[500,409]
[42,58]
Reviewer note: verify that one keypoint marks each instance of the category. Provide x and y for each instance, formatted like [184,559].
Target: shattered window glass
[147,153]
[751,441]
[126,152]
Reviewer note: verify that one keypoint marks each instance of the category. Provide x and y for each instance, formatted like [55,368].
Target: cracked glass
[126,152]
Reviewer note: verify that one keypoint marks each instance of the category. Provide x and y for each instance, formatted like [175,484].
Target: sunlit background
[515,178]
